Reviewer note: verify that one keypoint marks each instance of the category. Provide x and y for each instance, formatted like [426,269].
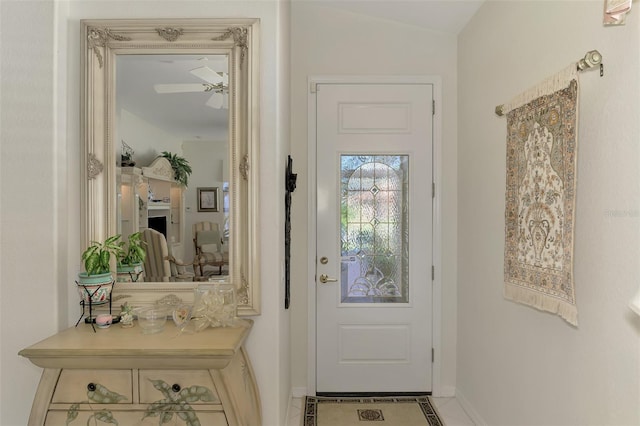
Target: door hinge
[433,110]
[433,190]
[313,87]
[433,273]
[433,355]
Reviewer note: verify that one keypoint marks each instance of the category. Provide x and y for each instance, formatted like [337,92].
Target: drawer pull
[91,387]
[176,387]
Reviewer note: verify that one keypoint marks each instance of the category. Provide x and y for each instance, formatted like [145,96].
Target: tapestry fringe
[552,84]
[539,301]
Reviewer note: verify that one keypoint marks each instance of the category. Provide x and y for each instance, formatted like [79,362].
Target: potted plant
[95,284]
[131,258]
[181,168]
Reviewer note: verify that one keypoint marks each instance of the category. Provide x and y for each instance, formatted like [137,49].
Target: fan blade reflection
[180,88]
[216,101]
[207,74]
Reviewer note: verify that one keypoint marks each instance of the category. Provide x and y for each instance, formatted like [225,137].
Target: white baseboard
[296,393]
[289,408]
[468,408]
[445,392]
[300,392]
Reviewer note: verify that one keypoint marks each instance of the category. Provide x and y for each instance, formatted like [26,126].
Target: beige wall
[29,301]
[40,191]
[326,41]
[516,365]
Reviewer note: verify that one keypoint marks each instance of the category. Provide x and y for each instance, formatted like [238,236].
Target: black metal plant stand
[90,319]
[134,276]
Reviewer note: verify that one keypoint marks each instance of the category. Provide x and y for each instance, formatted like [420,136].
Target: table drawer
[188,386]
[94,386]
[132,418]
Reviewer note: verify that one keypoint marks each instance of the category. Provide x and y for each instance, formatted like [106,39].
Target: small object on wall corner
[615,12]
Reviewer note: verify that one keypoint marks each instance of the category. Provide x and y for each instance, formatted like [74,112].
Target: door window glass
[374,225]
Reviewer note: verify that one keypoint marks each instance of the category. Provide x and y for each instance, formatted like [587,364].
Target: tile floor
[450,411]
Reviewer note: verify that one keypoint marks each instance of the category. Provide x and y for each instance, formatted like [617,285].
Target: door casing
[436,81]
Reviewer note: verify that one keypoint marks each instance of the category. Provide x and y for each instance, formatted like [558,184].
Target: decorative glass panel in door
[374,227]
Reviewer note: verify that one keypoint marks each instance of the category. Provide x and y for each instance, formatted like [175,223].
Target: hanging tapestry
[540,196]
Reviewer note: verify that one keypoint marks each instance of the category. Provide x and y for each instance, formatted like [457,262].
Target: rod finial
[591,59]
[500,110]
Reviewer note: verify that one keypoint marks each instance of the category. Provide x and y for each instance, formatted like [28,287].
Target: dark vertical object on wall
[290,186]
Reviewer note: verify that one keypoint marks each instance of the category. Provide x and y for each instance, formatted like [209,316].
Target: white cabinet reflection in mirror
[150,198]
[122,377]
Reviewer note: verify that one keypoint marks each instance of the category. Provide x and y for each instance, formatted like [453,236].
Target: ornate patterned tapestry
[540,196]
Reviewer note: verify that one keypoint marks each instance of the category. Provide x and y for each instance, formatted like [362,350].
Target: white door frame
[436,81]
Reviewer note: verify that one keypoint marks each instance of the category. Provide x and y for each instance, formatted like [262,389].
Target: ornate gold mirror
[188,88]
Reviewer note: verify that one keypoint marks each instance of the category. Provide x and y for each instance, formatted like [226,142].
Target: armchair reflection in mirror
[209,246]
[159,264]
[195,95]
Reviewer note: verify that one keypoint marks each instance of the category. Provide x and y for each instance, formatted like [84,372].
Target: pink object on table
[104,320]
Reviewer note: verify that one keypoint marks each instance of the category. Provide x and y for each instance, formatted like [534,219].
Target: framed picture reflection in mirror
[208,199]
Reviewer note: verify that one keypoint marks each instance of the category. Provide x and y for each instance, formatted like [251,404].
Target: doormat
[542,143]
[373,411]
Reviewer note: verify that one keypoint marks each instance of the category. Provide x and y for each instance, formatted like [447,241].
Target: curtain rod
[590,60]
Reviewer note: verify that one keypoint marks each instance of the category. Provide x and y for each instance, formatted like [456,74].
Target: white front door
[374,237]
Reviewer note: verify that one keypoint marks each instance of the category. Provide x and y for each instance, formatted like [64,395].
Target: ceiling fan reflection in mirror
[177,111]
[216,82]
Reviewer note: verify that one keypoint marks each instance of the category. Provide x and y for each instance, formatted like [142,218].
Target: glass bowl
[151,318]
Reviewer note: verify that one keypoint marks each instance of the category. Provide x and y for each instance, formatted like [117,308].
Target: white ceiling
[185,114]
[447,16]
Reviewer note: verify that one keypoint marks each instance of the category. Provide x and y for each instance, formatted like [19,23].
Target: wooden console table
[121,375]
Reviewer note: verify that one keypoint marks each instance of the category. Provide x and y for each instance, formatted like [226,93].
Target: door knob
[324,278]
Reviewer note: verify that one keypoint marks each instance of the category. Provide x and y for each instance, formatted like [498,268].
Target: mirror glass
[177,104]
[158,95]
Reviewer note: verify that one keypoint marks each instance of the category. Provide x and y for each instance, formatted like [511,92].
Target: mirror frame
[101,41]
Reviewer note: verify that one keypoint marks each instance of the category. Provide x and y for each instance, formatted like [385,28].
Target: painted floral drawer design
[74,386]
[173,406]
[128,418]
[177,380]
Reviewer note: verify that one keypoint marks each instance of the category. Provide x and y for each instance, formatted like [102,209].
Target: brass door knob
[324,278]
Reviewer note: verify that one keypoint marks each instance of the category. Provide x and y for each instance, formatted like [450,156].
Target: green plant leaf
[102,253]
[140,253]
[72,413]
[112,239]
[105,257]
[163,387]
[159,409]
[177,404]
[104,416]
[103,395]
[166,417]
[192,419]
[89,252]
[180,166]
[92,263]
[196,393]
